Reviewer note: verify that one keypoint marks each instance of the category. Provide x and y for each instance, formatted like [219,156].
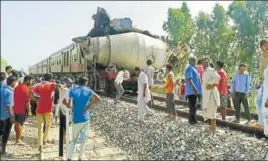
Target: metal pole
[67,112]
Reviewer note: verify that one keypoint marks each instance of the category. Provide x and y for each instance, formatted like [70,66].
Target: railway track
[183,112]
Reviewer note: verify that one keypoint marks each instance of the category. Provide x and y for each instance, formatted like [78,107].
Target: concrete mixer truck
[102,54]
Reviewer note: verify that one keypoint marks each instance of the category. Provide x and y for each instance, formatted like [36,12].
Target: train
[103,50]
[92,56]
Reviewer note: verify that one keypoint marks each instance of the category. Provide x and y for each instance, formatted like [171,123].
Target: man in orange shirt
[169,86]
[22,107]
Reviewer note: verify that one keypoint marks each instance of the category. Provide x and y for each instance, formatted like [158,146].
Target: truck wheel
[109,86]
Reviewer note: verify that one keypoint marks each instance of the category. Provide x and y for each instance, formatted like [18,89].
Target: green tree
[214,36]
[251,24]
[179,26]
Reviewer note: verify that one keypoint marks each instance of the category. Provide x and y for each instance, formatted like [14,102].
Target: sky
[33,30]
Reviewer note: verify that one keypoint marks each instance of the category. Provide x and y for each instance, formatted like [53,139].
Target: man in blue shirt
[81,100]
[240,92]
[192,88]
[7,115]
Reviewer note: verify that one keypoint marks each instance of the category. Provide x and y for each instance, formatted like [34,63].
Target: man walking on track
[144,95]
[240,92]
[118,84]
[7,115]
[193,88]
[149,71]
[81,100]
[22,107]
[44,107]
[211,98]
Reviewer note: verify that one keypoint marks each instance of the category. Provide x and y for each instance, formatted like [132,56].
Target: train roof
[63,49]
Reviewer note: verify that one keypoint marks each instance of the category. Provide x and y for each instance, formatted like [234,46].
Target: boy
[240,91]
[169,86]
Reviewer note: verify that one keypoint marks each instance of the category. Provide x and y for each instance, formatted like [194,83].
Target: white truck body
[130,49]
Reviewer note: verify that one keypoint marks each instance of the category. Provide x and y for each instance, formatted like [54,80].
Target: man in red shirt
[200,68]
[45,106]
[222,87]
[22,107]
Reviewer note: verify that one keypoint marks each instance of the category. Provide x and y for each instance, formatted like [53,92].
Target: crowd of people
[23,96]
[40,98]
[204,82]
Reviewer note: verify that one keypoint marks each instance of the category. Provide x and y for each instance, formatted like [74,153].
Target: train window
[80,60]
[68,57]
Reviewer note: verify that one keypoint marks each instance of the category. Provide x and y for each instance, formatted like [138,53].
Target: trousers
[43,118]
[240,98]
[171,104]
[192,99]
[62,131]
[143,109]
[119,92]
[79,129]
[5,128]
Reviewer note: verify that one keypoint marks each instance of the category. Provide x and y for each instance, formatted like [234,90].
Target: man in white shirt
[118,84]
[149,71]
[64,96]
[265,101]
[144,95]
